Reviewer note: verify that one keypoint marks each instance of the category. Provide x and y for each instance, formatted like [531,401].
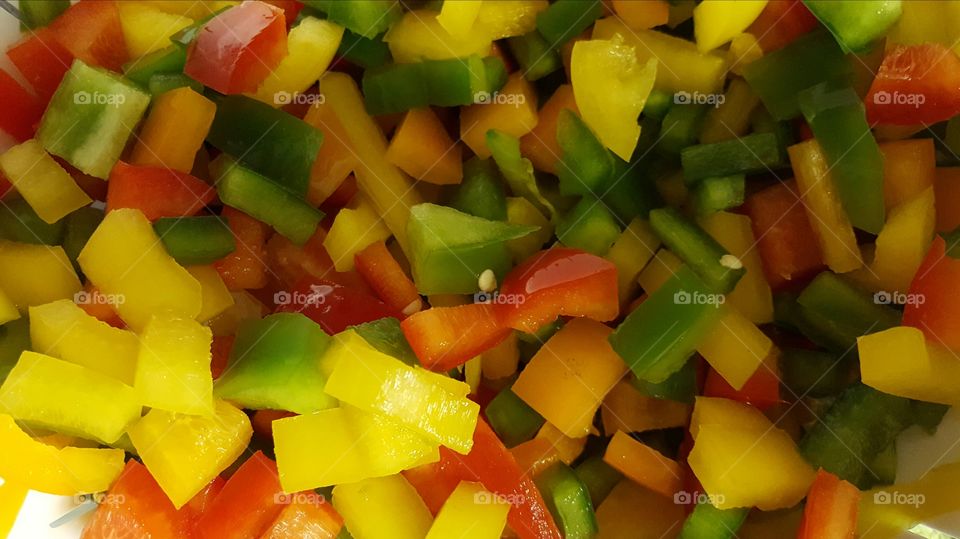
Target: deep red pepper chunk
[237,49]
[831,510]
[20,111]
[248,503]
[914,85]
[92,31]
[447,337]
[42,61]
[935,288]
[156,191]
[332,305]
[762,389]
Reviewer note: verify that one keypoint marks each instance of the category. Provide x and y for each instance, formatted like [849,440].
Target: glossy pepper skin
[915,84]
[831,509]
[447,337]
[936,282]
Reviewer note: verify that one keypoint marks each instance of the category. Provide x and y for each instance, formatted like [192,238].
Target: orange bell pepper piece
[514,116]
[642,15]
[385,276]
[174,130]
[446,337]
[540,145]
[831,509]
[909,167]
[422,148]
[244,268]
[336,159]
[644,465]
[946,190]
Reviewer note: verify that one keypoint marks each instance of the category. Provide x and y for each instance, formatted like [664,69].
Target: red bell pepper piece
[91,30]
[99,308]
[157,191]
[5,186]
[335,306]
[762,389]
[554,282]
[136,506]
[831,509]
[447,337]
[42,61]
[490,463]
[787,244]
[780,22]
[249,502]
[914,85]
[220,349]
[385,276]
[937,282]
[291,8]
[263,422]
[20,111]
[306,520]
[94,187]
[238,48]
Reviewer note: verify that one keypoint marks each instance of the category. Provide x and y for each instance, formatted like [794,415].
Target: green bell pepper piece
[535,56]
[367,18]
[848,311]
[680,386]
[14,339]
[708,522]
[18,222]
[257,196]
[761,121]
[658,104]
[778,77]
[168,60]
[860,424]
[715,265]
[164,82]
[631,193]
[599,478]
[481,191]
[80,225]
[565,19]
[789,314]
[681,127]
[450,249]
[513,420]
[517,170]
[362,51]
[589,226]
[856,25]
[393,88]
[90,118]
[928,415]
[718,193]
[386,336]
[814,372]
[586,166]
[195,241]
[839,123]
[39,13]
[271,142]
[277,364]
[660,335]
[568,500]
[745,155]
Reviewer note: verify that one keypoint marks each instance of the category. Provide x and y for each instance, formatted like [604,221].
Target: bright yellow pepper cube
[353,229]
[515,117]
[752,295]
[499,20]
[735,347]
[36,274]
[716,22]
[146,28]
[457,16]
[419,36]
[345,445]
[311,46]
[434,405]
[42,182]
[900,361]
[8,311]
[64,330]
[630,253]
[658,270]
[174,130]
[66,472]
[470,512]
[214,294]
[568,378]
[566,447]
[401,514]
[124,257]
[68,398]
[185,452]
[903,242]
[173,366]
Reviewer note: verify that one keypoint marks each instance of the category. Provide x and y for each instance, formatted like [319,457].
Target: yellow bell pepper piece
[173,366]
[744,49]
[521,211]
[36,274]
[185,452]
[70,471]
[501,361]
[431,404]
[838,243]
[125,258]
[470,512]
[174,130]
[12,496]
[353,229]
[420,36]
[146,28]
[245,307]
[390,191]
[69,398]
[658,271]
[902,243]
[508,18]
[42,182]
[927,21]
[626,409]
[743,460]
[345,445]
[311,46]
[630,253]
[899,361]
[716,22]
[401,514]
[8,311]
[569,376]
[731,118]
[681,66]
[566,447]
[516,118]
[752,295]
[63,330]
[215,297]
[473,373]
[884,517]
[909,167]
[735,347]
[457,16]
[611,87]
[633,512]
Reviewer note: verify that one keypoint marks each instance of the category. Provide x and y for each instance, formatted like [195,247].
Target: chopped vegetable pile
[397,269]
